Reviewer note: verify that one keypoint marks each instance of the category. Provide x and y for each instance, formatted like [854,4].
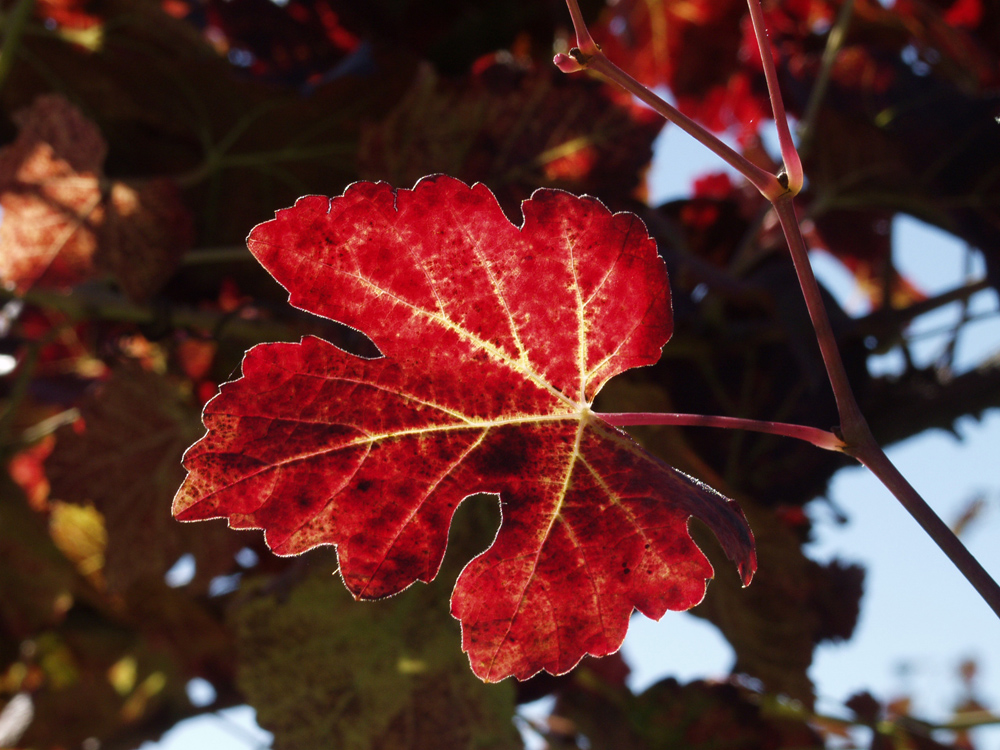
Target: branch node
[573,62]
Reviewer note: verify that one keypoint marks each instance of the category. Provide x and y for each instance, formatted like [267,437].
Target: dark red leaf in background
[496,340]
[294,41]
[123,457]
[518,127]
[693,47]
[51,196]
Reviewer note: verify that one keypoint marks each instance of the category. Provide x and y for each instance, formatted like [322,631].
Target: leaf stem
[219,161]
[854,429]
[851,419]
[820,438]
[584,41]
[789,154]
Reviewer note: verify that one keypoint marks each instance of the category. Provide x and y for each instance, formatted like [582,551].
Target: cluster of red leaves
[128,392]
[904,78]
[299,41]
[698,48]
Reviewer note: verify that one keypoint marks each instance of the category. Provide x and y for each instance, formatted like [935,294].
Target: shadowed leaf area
[513,125]
[670,715]
[132,489]
[383,676]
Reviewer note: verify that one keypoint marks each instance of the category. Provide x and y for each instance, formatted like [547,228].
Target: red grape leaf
[496,339]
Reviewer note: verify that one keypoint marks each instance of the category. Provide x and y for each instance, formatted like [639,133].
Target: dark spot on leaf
[508,453]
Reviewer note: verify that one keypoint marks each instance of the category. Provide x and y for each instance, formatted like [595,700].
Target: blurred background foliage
[144,138]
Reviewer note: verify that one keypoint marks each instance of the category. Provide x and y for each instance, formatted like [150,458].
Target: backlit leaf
[698,48]
[496,339]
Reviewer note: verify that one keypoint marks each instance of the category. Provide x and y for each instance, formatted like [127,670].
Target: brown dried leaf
[146,230]
[53,120]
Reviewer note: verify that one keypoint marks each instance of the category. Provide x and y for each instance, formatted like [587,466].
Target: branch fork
[853,435]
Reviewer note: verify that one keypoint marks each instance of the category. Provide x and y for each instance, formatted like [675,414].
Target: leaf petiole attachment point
[820,438]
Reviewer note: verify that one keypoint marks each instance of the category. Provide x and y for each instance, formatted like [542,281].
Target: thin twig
[834,41]
[584,41]
[871,455]
[852,423]
[587,55]
[884,318]
[855,431]
[947,357]
[789,155]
